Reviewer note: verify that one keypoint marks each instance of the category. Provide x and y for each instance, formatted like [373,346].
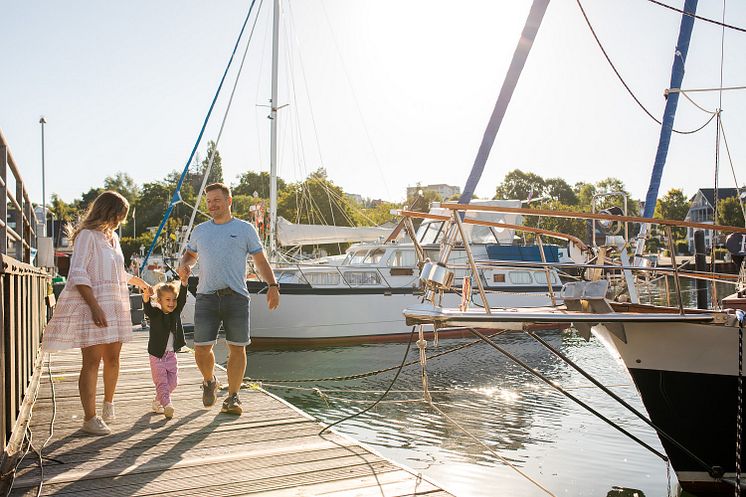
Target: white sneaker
[168,411]
[107,412]
[157,407]
[96,426]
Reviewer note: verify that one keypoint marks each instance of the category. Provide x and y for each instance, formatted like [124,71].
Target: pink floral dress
[96,262]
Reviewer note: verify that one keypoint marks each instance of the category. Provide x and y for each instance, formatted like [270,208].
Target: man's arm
[268,276]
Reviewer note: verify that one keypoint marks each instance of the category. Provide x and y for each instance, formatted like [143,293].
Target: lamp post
[43,121]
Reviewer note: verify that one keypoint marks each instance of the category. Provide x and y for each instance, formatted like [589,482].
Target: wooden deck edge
[351,440]
[12,452]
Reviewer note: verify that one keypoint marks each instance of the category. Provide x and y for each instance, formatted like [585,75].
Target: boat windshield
[429,231]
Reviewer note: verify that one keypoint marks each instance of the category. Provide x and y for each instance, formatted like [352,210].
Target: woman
[93,312]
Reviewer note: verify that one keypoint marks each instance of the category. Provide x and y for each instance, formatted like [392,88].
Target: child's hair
[169,287]
[106,212]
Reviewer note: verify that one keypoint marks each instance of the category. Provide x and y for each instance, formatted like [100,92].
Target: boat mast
[677,76]
[273,131]
[526,41]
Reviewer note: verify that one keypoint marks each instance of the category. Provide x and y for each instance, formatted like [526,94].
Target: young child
[165,336]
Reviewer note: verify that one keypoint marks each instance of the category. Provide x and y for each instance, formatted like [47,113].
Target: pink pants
[164,371]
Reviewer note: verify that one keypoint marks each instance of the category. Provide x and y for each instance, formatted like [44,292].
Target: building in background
[445,191]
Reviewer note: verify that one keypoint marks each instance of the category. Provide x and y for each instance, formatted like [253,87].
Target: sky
[382,93]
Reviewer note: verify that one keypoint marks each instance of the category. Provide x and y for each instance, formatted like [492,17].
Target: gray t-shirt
[222,250]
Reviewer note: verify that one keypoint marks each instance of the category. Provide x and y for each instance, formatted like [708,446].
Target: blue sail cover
[535,16]
[677,76]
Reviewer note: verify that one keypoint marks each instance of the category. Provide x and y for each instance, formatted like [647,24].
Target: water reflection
[524,420]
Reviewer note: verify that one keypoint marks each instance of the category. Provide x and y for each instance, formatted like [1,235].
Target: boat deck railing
[434,276]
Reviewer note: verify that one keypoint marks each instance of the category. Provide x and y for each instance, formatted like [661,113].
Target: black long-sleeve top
[162,325]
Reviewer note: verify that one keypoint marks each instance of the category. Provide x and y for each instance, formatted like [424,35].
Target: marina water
[526,422]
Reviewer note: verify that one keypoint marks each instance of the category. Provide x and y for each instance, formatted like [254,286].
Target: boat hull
[687,376]
[352,314]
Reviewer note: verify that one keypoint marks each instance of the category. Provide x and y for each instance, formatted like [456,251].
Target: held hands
[183,272]
[147,293]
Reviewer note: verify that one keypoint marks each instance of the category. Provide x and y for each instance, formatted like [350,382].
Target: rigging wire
[733,169]
[705,19]
[177,191]
[624,83]
[211,158]
[383,395]
[357,102]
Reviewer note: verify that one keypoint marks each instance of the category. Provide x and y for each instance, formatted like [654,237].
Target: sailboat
[361,297]
[686,363]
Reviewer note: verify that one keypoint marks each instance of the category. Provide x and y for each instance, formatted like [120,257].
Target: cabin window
[498,278]
[325,278]
[402,258]
[541,278]
[362,278]
[520,277]
[374,257]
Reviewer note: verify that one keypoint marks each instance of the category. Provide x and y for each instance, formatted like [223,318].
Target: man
[222,245]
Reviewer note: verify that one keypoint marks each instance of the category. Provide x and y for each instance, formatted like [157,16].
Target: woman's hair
[169,287]
[105,213]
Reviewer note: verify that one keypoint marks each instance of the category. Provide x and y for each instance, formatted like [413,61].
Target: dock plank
[272,450]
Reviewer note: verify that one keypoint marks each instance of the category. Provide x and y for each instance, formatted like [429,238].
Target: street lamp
[43,121]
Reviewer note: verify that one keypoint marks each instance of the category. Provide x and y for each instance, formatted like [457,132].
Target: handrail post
[547,274]
[20,252]
[4,198]
[472,263]
[677,283]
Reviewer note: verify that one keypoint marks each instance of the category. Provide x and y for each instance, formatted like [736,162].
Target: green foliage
[377,215]
[316,201]
[124,184]
[132,245]
[682,247]
[560,191]
[421,203]
[720,253]
[251,182]
[576,227]
[730,212]
[518,185]
[674,206]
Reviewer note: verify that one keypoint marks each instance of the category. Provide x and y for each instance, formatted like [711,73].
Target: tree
[559,190]
[316,201]
[675,206]
[123,184]
[730,212]
[197,170]
[584,192]
[251,182]
[377,214]
[568,226]
[519,185]
[421,203]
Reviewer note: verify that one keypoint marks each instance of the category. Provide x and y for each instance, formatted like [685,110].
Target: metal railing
[24,291]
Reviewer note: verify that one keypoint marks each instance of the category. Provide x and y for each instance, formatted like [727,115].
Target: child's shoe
[107,412]
[168,411]
[157,407]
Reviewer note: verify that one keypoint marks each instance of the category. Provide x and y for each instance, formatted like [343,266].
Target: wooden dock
[273,449]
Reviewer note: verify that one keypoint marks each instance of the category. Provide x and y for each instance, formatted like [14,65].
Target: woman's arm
[138,282]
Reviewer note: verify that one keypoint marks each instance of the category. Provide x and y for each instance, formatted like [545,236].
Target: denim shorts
[232,310]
